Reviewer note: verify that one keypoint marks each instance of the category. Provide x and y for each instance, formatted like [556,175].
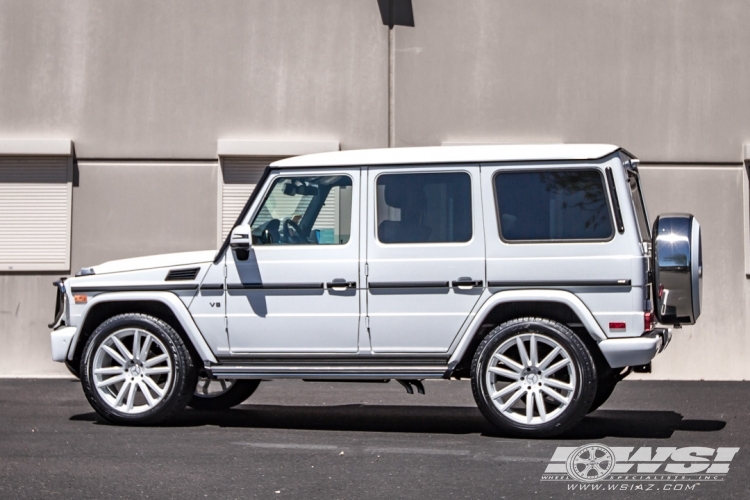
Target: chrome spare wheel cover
[132,370]
[531,378]
[211,388]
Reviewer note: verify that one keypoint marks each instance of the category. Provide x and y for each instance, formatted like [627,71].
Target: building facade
[135,128]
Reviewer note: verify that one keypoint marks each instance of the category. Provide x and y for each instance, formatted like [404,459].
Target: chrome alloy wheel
[132,370]
[531,378]
[211,388]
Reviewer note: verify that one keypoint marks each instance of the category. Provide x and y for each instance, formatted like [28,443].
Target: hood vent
[182,274]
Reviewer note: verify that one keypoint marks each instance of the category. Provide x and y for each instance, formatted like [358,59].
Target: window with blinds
[35,213]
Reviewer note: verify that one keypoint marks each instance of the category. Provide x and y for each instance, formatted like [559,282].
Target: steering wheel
[295,237]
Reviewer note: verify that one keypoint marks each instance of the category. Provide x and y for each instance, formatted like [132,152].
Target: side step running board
[410,373]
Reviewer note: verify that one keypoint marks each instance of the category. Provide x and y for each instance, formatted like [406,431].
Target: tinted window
[552,205]
[424,208]
[305,210]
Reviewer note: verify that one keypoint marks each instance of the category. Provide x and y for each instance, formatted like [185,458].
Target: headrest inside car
[400,191]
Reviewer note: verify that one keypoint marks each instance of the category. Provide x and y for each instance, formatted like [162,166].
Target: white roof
[451,154]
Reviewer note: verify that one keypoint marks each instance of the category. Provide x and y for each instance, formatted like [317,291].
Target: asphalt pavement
[303,440]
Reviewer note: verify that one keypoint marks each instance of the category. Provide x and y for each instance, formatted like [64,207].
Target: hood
[152,261]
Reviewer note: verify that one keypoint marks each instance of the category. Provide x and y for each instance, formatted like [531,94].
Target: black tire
[184,373]
[604,389]
[582,394]
[236,394]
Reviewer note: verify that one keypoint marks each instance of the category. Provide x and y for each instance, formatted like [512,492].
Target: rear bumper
[637,351]
[60,340]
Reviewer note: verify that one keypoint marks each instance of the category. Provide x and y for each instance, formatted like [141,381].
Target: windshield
[639,206]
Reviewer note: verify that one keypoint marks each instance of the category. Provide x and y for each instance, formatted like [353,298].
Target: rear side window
[553,205]
[424,208]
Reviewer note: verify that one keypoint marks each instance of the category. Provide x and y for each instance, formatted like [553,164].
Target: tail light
[648,321]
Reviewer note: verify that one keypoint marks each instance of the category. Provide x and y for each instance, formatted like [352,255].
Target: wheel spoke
[504,373]
[223,385]
[146,346]
[122,393]
[548,358]
[154,386]
[131,395]
[507,389]
[137,344]
[155,360]
[160,370]
[204,387]
[533,356]
[555,395]
[144,389]
[515,397]
[110,370]
[550,382]
[121,347]
[113,354]
[111,380]
[509,362]
[557,366]
[522,352]
[540,406]
[529,406]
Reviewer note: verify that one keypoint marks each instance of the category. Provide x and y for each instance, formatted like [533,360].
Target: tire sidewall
[583,365]
[181,368]
[235,395]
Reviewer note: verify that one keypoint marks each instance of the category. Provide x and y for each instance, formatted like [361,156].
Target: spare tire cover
[678,269]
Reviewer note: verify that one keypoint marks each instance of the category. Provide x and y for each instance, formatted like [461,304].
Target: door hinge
[367,322]
[226,324]
[225,270]
[367,269]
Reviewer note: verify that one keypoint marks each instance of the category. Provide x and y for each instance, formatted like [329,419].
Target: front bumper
[60,339]
[638,351]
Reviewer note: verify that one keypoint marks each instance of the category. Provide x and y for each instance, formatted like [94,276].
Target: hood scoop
[186,274]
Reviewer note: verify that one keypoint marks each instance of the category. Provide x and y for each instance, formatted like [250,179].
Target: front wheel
[533,377]
[221,394]
[136,370]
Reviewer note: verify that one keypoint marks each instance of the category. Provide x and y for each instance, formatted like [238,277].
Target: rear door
[425,255]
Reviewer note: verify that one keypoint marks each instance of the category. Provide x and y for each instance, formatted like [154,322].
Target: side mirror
[240,237]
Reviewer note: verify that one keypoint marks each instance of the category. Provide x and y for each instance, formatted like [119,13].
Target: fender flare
[169,299]
[559,296]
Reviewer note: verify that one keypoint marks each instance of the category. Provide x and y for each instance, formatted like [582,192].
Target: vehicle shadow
[429,420]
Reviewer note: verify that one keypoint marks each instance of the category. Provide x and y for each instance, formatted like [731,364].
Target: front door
[296,289]
[425,255]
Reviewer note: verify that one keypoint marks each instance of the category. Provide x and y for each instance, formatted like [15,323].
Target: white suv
[531,270]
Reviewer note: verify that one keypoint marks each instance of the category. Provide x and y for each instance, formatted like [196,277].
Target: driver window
[314,210]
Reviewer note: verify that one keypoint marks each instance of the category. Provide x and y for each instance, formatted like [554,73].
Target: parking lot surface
[353,440]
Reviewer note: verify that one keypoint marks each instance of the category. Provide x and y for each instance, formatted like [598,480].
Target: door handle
[339,286]
[465,284]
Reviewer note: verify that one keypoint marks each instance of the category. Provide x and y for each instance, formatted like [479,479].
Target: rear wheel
[136,370]
[533,377]
[606,384]
[221,394]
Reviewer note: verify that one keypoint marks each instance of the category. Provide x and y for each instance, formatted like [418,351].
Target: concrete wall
[717,345]
[667,80]
[126,209]
[163,81]
[166,79]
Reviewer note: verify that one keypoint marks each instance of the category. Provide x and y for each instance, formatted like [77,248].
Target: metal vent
[183,274]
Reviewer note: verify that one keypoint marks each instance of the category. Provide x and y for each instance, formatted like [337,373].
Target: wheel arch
[163,305]
[557,305]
